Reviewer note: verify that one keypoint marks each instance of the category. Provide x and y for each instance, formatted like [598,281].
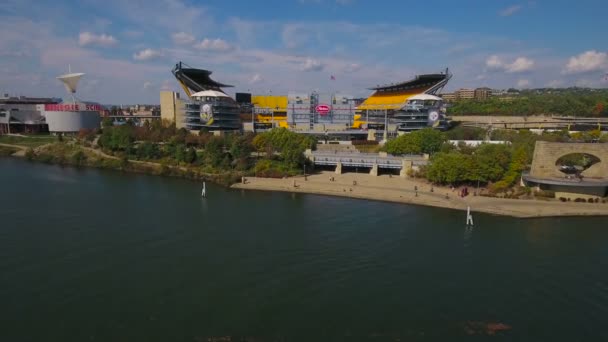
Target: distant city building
[34,115]
[483,93]
[449,97]
[22,115]
[465,94]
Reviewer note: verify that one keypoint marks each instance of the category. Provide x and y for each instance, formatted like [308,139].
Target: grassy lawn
[28,141]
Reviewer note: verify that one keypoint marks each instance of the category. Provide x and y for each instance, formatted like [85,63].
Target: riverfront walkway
[403,190]
[373,161]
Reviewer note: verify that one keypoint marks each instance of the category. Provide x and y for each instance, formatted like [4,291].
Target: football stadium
[393,108]
[209,108]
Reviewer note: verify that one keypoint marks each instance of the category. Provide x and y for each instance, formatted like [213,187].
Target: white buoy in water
[204,192]
[469,217]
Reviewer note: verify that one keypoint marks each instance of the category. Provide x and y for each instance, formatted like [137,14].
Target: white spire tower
[70,81]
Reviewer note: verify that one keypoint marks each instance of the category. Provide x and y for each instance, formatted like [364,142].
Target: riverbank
[403,190]
[71,154]
[381,188]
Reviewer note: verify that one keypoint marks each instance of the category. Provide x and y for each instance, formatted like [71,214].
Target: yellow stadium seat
[388,100]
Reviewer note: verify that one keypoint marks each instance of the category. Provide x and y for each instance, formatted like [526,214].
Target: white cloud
[88,38]
[312,65]
[295,35]
[147,54]
[509,11]
[494,62]
[148,85]
[523,83]
[586,62]
[555,84]
[256,78]
[519,65]
[183,38]
[218,45]
[353,67]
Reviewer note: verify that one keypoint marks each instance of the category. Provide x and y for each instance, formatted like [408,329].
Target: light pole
[385,124]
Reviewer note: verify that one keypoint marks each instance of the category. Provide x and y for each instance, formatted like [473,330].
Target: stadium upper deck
[394,96]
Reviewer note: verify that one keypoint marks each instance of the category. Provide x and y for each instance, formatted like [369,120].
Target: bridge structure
[545,173]
[532,122]
[372,161]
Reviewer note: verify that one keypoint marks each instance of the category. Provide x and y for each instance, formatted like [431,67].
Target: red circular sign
[323,109]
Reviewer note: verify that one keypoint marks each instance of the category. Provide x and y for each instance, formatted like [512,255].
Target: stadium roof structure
[209,93]
[195,80]
[421,81]
[394,96]
[425,97]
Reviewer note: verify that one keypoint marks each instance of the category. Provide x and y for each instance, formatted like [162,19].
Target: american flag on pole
[333,78]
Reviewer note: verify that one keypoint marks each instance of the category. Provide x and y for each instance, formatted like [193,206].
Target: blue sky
[127,48]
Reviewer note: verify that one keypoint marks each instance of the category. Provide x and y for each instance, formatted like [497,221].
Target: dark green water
[89,255]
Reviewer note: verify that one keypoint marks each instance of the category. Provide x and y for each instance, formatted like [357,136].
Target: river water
[92,255]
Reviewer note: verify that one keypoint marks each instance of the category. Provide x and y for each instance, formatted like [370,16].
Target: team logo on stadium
[323,109]
[206,112]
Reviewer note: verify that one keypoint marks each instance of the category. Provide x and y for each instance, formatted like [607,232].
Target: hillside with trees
[280,152]
[567,102]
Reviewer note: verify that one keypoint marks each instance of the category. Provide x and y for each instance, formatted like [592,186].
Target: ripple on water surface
[132,257]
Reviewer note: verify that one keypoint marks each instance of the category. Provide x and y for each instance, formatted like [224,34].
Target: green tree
[491,161]
[466,133]
[431,140]
[118,138]
[214,151]
[291,146]
[519,163]
[426,140]
[106,122]
[180,153]
[148,150]
[190,156]
[450,168]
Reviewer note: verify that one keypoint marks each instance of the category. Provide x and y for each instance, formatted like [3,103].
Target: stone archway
[546,155]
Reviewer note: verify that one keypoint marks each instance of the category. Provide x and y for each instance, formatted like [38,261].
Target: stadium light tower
[70,81]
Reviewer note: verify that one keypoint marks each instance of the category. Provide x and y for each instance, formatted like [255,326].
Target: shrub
[563,199]
[30,154]
[78,158]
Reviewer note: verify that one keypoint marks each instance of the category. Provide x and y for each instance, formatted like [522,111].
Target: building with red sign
[36,115]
